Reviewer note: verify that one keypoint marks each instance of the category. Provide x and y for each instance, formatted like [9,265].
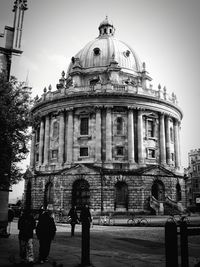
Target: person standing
[45,232]
[73,219]
[11,215]
[26,225]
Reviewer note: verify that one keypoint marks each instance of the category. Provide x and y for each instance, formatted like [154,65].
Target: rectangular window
[171,134]
[84,126]
[83,151]
[172,156]
[150,128]
[151,153]
[120,151]
[37,156]
[54,154]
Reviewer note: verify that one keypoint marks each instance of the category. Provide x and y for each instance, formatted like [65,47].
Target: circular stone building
[105,137]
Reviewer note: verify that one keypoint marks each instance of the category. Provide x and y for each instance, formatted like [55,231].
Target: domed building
[105,137]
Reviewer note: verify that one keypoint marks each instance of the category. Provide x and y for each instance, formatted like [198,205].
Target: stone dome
[100,52]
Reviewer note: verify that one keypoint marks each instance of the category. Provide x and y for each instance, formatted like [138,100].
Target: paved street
[116,246]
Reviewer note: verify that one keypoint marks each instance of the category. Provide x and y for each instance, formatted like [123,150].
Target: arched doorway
[178,192]
[48,195]
[80,193]
[158,190]
[28,195]
[121,196]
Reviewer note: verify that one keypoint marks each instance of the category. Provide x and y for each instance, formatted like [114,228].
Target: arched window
[119,125]
[55,129]
[178,192]
[48,194]
[121,195]
[158,190]
[80,193]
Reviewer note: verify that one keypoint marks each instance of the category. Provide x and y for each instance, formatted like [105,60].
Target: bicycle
[106,220]
[178,219]
[137,221]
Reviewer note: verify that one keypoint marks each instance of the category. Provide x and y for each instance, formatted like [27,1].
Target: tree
[15,104]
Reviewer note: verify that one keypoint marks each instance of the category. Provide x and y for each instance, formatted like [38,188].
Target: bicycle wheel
[130,222]
[143,222]
[111,221]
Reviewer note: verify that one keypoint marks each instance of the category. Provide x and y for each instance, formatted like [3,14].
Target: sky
[164,33]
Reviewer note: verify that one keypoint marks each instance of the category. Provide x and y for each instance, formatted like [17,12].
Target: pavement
[111,246]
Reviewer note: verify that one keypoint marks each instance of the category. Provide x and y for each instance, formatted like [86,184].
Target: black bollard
[171,244]
[85,218]
[85,255]
[184,245]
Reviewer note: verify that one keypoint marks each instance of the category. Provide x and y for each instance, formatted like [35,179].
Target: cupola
[106,28]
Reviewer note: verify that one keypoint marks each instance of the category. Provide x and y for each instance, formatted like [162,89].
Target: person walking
[45,232]
[73,219]
[26,225]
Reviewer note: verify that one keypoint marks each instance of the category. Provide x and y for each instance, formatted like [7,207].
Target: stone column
[41,143]
[140,138]
[131,149]
[108,135]
[162,140]
[46,140]
[70,137]
[61,138]
[168,142]
[176,144]
[32,154]
[98,135]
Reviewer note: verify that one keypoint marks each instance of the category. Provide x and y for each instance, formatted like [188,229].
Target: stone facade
[105,137]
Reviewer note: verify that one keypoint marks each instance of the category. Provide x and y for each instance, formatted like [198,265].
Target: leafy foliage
[15,104]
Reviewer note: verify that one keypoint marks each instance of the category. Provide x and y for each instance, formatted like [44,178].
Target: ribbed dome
[100,52]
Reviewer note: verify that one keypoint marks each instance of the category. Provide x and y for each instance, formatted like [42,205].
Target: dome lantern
[106,28]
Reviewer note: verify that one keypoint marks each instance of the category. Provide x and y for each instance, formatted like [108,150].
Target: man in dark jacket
[45,232]
[26,225]
[73,219]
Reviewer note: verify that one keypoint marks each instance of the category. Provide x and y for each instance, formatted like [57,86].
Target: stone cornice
[115,99]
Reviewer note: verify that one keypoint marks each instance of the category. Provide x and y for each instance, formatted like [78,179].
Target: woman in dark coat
[45,232]
[26,225]
[73,219]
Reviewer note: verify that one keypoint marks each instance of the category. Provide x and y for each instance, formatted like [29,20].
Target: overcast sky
[164,33]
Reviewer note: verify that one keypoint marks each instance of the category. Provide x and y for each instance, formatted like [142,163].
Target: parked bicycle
[61,217]
[179,218]
[137,221]
[106,220]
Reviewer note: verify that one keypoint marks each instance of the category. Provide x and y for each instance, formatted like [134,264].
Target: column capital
[70,109]
[98,107]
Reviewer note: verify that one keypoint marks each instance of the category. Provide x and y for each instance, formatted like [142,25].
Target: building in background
[105,136]
[193,180]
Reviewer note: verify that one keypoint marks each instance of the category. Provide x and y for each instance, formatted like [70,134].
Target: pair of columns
[165,141]
[44,140]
